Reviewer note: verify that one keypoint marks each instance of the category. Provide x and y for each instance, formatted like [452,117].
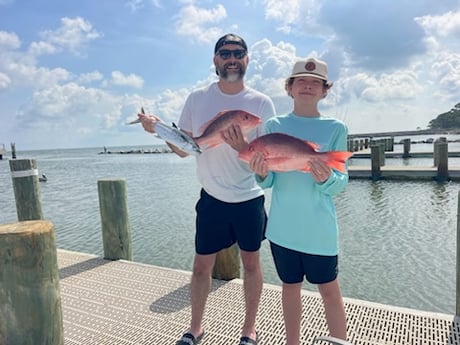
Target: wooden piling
[382,153]
[457,294]
[442,160]
[116,232]
[227,265]
[366,143]
[435,153]
[30,302]
[376,173]
[356,145]
[391,144]
[406,145]
[13,150]
[26,189]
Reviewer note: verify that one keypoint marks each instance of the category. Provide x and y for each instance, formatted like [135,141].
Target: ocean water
[397,238]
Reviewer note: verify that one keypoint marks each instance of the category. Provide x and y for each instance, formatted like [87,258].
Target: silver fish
[173,135]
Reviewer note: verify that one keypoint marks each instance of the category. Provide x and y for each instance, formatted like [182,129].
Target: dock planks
[122,302]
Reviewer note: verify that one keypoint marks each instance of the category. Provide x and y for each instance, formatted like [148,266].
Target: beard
[231,76]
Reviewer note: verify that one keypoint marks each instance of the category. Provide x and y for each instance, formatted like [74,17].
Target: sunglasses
[227,54]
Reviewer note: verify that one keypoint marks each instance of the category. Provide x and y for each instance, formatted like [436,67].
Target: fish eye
[251,148]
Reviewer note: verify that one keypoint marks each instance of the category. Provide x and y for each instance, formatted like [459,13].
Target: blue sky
[73,72]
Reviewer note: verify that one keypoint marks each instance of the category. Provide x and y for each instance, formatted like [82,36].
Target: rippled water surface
[398,239]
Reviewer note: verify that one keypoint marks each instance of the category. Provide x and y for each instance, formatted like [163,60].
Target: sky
[73,72]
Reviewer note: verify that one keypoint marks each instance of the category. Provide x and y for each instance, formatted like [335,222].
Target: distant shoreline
[405,133]
[138,151]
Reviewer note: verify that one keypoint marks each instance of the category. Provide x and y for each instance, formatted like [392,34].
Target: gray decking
[122,302]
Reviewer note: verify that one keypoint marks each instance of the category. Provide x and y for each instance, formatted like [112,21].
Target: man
[231,206]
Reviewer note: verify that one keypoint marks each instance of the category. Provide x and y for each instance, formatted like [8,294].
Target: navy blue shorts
[221,224]
[292,266]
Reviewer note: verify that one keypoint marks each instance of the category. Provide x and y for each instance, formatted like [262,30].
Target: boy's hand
[258,165]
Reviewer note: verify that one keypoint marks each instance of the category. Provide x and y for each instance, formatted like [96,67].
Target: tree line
[448,120]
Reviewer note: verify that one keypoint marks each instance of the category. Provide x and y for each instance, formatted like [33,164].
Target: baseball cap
[230,39]
[310,67]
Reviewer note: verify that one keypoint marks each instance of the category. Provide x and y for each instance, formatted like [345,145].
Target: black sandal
[189,339]
[249,341]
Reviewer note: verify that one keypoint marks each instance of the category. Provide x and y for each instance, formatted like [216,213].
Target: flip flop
[189,339]
[332,340]
[249,341]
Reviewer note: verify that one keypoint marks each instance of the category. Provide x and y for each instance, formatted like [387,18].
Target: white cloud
[445,25]
[300,17]
[168,105]
[132,80]
[286,12]
[442,31]
[446,71]
[73,33]
[270,65]
[90,77]
[71,106]
[193,22]
[135,5]
[396,86]
[42,48]
[27,75]
[9,40]
[5,81]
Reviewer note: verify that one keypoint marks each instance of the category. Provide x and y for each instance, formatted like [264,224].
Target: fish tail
[337,159]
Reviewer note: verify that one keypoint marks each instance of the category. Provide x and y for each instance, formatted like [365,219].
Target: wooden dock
[127,303]
[402,172]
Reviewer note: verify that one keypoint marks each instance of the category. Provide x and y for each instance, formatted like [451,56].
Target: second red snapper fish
[212,130]
[284,152]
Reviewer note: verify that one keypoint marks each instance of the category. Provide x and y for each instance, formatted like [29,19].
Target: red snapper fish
[284,152]
[212,130]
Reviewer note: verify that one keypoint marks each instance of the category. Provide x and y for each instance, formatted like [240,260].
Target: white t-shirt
[219,171]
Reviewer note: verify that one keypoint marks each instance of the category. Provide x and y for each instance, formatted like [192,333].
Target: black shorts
[220,224]
[292,266]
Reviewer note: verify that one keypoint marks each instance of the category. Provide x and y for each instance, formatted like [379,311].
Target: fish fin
[133,122]
[306,169]
[206,124]
[207,143]
[337,159]
[314,146]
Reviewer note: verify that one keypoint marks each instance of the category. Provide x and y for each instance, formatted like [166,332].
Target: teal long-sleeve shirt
[302,214]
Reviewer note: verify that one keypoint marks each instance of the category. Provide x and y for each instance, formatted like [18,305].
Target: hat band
[312,73]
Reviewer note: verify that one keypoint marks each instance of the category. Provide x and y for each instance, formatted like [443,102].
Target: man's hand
[148,122]
[234,137]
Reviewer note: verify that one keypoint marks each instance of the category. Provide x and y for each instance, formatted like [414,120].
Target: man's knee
[203,264]
[250,260]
